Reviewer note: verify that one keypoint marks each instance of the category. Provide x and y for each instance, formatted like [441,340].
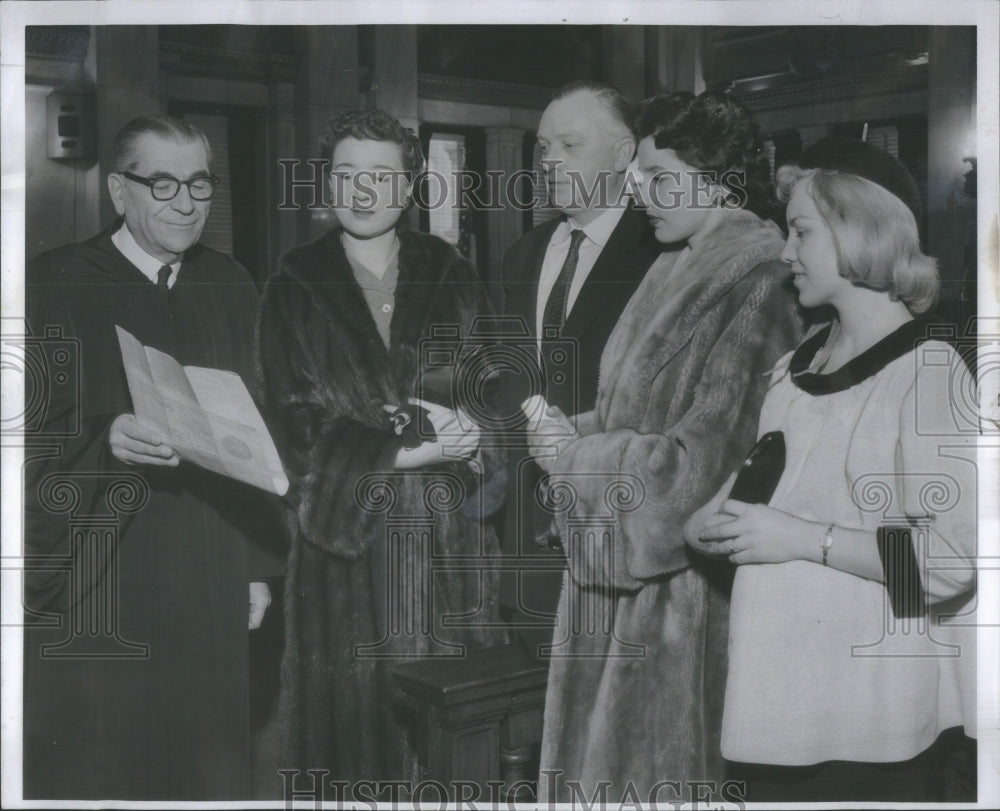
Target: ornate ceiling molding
[833,89]
[62,43]
[197,60]
[480,91]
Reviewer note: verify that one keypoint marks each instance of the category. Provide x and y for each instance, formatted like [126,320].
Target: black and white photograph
[539,404]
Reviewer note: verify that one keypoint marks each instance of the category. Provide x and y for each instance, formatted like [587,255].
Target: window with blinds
[885,137]
[218,233]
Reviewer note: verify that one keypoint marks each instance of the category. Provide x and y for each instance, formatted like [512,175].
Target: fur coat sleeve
[682,382]
[324,375]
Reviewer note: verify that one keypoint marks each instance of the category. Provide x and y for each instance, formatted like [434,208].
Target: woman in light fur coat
[638,663]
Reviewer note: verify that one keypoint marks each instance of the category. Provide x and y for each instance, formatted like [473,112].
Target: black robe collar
[870,362]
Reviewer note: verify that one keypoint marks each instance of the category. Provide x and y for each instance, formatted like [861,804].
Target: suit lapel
[524,301]
[626,256]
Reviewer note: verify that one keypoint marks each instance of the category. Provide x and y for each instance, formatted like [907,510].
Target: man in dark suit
[569,280]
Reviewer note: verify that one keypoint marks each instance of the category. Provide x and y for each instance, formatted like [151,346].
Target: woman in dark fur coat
[639,654]
[375,520]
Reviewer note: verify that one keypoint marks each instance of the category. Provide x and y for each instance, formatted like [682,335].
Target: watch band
[826,542]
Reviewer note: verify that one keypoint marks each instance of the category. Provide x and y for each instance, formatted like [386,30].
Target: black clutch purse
[759,475]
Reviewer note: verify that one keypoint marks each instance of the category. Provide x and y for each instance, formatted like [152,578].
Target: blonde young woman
[846,660]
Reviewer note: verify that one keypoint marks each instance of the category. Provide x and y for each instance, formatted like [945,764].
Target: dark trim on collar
[870,362]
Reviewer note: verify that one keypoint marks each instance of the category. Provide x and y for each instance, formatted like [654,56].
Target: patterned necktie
[162,277]
[555,308]
[553,319]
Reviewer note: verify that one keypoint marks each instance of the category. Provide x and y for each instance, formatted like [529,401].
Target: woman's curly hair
[373,125]
[715,134]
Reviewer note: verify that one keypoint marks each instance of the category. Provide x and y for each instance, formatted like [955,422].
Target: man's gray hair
[162,126]
[608,96]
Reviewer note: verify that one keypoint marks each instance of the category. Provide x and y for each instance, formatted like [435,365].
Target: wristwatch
[826,542]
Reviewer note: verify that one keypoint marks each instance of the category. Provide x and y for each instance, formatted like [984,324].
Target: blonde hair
[875,234]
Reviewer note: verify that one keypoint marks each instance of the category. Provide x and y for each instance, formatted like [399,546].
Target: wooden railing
[480,717]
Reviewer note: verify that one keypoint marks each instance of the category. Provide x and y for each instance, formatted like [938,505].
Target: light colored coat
[820,667]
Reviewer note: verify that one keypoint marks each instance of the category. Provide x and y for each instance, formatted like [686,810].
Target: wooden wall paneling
[394,72]
[673,60]
[504,152]
[951,212]
[624,59]
[328,82]
[128,85]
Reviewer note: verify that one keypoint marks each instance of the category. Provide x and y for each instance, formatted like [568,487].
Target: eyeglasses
[165,187]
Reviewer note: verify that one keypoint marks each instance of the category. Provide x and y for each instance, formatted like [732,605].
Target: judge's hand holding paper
[135,444]
[205,416]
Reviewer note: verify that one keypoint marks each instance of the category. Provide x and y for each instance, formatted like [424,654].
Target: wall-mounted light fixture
[71,125]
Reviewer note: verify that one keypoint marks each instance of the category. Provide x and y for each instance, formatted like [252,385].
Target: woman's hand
[699,518]
[457,438]
[549,433]
[755,533]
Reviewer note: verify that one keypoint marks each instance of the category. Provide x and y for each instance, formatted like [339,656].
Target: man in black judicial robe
[138,565]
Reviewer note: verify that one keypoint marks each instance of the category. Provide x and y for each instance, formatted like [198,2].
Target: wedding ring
[731,547]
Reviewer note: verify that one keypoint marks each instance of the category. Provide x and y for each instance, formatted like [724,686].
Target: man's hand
[549,433]
[135,444]
[260,599]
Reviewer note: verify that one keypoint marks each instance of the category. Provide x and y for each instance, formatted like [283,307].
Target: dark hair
[716,134]
[373,125]
[162,126]
[610,98]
